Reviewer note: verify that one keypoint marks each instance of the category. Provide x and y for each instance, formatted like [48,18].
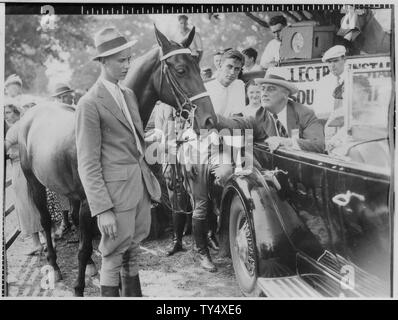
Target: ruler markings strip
[218,8]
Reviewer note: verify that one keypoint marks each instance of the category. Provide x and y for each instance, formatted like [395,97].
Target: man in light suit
[279,117]
[116,179]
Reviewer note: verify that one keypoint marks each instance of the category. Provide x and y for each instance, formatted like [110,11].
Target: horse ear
[163,42]
[187,42]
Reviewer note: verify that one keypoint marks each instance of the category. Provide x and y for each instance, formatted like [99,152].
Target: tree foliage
[28,46]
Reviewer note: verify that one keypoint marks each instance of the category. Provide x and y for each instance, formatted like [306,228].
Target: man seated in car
[361,111]
[280,121]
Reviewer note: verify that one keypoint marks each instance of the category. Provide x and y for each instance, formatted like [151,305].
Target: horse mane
[141,66]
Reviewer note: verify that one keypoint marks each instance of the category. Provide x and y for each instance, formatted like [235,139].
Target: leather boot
[212,241]
[131,286]
[200,235]
[188,225]
[211,235]
[178,227]
[108,291]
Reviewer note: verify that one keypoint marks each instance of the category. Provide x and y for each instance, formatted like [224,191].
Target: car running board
[287,287]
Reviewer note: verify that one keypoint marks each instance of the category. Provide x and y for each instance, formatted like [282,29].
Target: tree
[28,46]
[137,27]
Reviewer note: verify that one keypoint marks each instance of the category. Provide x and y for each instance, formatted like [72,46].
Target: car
[310,225]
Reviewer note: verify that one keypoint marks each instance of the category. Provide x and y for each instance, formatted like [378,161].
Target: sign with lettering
[316,83]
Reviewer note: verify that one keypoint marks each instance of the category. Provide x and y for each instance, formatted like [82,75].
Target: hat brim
[62,92]
[12,82]
[115,50]
[282,83]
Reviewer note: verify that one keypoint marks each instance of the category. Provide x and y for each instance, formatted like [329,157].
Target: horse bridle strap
[198,96]
[175,86]
[175,52]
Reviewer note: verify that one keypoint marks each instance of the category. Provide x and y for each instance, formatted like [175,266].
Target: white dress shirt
[271,53]
[117,95]
[226,100]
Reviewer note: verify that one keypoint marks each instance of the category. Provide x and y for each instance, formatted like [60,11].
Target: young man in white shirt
[271,56]
[226,91]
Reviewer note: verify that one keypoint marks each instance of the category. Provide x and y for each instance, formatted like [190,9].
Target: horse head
[178,81]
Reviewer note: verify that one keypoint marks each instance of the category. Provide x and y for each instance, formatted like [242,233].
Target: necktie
[280,128]
[338,94]
[123,107]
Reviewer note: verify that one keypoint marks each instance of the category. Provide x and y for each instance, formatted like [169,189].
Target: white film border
[305,74]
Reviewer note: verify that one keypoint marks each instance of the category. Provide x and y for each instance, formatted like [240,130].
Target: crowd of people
[122,205]
[16,104]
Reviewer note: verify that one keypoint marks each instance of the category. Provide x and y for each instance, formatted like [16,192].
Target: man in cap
[279,117]
[63,93]
[332,85]
[183,32]
[13,86]
[14,94]
[116,179]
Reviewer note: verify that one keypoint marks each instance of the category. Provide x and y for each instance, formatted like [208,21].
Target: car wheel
[242,248]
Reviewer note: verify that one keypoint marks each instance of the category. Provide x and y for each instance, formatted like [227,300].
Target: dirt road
[161,276]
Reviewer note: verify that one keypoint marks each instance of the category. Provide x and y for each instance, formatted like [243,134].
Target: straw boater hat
[13,79]
[278,76]
[109,41]
[61,88]
[333,53]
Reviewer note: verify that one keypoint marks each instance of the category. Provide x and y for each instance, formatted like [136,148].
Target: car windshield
[363,119]
[368,107]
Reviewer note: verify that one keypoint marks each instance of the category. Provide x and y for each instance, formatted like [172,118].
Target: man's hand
[107,224]
[275,142]
[221,173]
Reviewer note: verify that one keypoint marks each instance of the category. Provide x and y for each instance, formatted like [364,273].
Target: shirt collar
[110,84]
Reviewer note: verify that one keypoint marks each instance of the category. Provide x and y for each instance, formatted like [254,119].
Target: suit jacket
[112,170]
[311,134]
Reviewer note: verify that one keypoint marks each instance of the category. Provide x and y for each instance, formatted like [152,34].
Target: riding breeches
[121,256]
[198,180]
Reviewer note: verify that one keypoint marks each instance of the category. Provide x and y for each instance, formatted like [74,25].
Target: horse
[47,136]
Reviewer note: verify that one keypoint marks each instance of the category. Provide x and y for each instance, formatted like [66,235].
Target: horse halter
[186,109]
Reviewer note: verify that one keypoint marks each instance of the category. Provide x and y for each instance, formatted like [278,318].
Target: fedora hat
[109,41]
[61,88]
[278,76]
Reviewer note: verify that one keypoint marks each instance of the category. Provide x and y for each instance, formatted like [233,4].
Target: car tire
[242,247]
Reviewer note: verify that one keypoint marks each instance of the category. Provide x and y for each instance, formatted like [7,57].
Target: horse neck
[141,82]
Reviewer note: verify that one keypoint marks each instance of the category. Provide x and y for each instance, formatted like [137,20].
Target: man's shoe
[212,242]
[131,286]
[205,262]
[108,291]
[176,247]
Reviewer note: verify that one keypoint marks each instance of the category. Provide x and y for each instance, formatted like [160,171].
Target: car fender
[273,222]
